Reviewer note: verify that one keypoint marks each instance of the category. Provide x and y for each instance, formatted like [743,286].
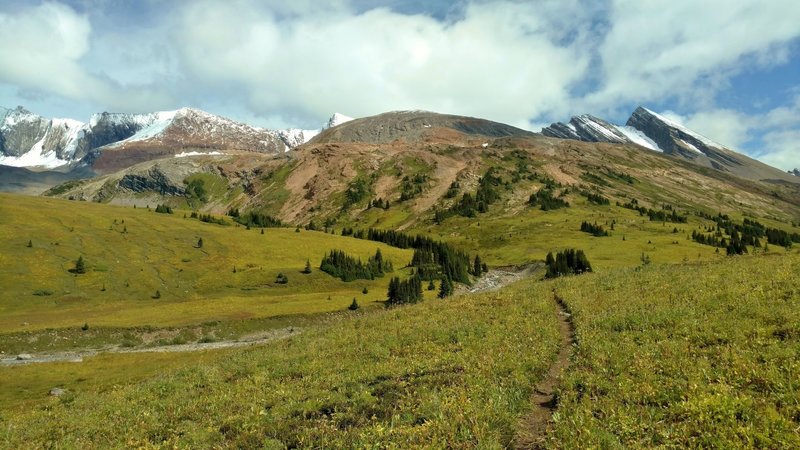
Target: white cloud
[43,51]
[688,49]
[499,61]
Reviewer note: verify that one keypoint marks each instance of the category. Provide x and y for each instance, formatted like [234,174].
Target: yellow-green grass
[28,386]
[685,356]
[132,253]
[529,234]
[456,373]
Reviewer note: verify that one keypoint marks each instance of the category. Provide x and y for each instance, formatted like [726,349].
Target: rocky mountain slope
[111,141]
[656,132]
[413,126]
[415,170]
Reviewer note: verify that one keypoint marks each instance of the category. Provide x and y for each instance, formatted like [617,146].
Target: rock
[57,392]
[24,357]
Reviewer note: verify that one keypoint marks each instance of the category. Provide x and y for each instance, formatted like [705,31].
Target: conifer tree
[307,269]
[445,288]
[80,265]
[200,243]
[353,306]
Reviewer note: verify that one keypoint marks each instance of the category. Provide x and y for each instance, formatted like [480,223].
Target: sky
[729,70]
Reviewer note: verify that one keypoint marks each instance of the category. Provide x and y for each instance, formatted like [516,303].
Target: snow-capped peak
[336,119]
[676,125]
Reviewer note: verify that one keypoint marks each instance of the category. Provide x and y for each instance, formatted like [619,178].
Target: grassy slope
[698,355]
[135,252]
[453,373]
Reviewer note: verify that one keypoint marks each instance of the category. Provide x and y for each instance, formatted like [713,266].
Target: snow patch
[682,128]
[336,119]
[689,146]
[34,158]
[185,154]
[639,138]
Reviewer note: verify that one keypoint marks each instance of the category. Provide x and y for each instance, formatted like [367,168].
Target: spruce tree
[445,288]
[30,243]
[200,243]
[477,268]
[353,306]
[307,269]
[80,266]
[431,286]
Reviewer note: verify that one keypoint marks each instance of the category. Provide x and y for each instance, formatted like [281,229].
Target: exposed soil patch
[534,426]
[78,356]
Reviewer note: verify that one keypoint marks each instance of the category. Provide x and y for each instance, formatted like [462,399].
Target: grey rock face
[20,130]
[587,128]
[795,172]
[153,181]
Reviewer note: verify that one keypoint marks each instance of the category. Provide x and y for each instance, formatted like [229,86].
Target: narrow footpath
[533,428]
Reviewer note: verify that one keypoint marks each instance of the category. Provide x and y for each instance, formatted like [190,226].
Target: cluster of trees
[412,186]
[666,214]
[404,292]
[434,259]
[357,191]
[281,278]
[379,203]
[163,209]
[597,199]
[195,190]
[469,206]
[338,264]
[593,229]
[546,200]
[570,261]
[622,176]
[749,232]
[255,219]
[452,191]
[207,218]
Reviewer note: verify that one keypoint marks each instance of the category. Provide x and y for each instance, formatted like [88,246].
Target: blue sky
[729,70]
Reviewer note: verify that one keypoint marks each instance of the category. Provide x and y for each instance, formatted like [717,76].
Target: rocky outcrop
[795,172]
[587,128]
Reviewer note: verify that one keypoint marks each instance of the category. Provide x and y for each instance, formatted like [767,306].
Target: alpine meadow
[399,278]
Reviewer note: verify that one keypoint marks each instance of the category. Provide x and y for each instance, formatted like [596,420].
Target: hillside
[691,371]
[130,254]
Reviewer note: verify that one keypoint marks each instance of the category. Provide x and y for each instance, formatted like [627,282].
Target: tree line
[593,229]
[338,264]
[569,261]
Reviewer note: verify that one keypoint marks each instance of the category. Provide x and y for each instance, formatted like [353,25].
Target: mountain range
[110,141]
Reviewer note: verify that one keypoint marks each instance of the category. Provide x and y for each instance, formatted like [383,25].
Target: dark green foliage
[452,191]
[379,203]
[546,200]
[42,292]
[307,269]
[597,199]
[431,286]
[195,190]
[30,244]
[365,290]
[412,186]
[200,243]
[593,229]
[469,206]
[570,261]
[80,265]
[477,266]
[340,265]
[432,259]
[622,176]
[353,306]
[281,278]
[85,326]
[403,292]
[207,218]
[163,209]
[356,191]
[256,219]
[233,212]
[666,214]
[157,294]
[445,288]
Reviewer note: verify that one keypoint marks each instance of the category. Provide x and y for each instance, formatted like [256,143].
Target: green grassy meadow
[694,349]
